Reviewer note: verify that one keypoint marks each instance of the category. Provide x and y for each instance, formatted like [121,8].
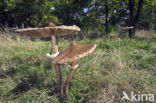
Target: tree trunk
[106,10]
[131,5]
[134,20]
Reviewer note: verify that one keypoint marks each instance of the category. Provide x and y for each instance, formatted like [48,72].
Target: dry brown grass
[144,34]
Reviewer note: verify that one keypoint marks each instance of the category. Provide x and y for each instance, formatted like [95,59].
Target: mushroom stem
[59,77]
[55,44]
[72,70]
[57,66]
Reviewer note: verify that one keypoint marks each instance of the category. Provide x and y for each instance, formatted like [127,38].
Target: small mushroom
[127,27]
[70,55]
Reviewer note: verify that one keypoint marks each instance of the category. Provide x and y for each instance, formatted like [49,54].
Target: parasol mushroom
[51,31]
[70,55]
[127,28]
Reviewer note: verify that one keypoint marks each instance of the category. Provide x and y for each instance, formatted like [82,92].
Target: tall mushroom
[70,55]
[51,31]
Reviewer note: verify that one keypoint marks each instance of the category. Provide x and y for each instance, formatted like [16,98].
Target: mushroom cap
[49,31]
[73,52]
[127,28]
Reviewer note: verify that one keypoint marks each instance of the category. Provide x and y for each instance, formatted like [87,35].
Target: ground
[117,65]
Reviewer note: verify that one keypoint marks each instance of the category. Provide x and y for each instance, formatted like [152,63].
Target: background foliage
[90,15]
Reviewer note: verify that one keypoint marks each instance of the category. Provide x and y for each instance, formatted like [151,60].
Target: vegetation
[125,59]
[117,65]
[90,15]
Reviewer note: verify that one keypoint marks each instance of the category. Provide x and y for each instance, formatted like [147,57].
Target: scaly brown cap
[49,31]
[73,52]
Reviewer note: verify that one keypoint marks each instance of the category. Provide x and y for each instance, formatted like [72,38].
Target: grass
[28,76]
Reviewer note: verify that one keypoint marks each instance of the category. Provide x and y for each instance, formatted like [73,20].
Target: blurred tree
[91,15]
[134,19]
[26,12]
[148,17]
[104,14]
[106,11]
[69,11]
